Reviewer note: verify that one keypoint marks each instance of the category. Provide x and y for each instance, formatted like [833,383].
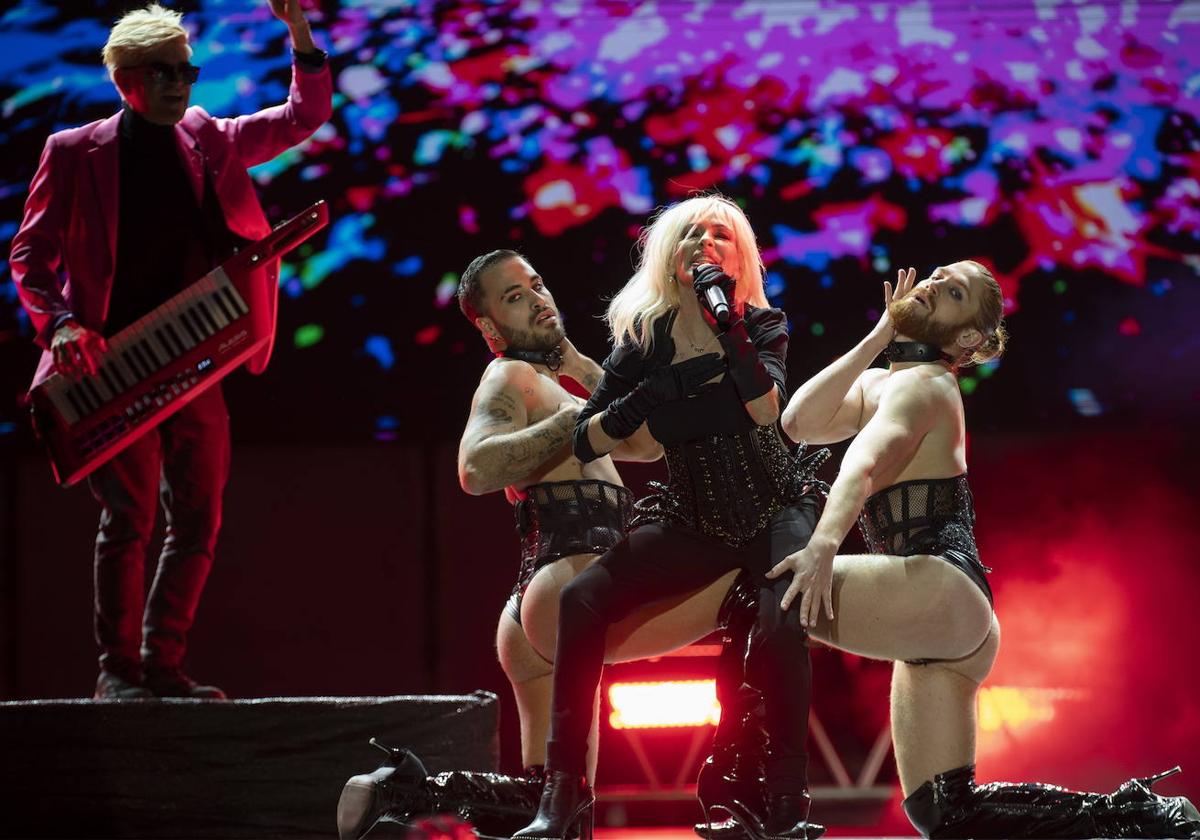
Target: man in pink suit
[122,214]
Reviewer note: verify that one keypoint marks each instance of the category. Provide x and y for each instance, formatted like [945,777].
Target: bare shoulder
[871,377]
[502,373]
[921,389]
[498,404]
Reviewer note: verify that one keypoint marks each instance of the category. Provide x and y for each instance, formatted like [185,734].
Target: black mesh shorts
[559,519]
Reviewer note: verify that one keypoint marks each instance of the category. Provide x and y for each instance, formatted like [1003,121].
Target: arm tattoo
[497,417]
[508,458]
[496,411]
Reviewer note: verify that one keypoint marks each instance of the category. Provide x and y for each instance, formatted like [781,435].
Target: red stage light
[657,705]
[1008,707]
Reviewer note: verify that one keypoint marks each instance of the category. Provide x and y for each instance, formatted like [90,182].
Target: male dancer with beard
[921,598]
[518,439]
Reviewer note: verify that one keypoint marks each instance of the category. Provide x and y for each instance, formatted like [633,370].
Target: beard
[533,338]
[913,320]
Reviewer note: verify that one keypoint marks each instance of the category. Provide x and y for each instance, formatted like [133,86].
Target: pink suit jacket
[64,255]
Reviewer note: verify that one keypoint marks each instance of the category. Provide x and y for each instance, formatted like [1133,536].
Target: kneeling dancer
[921,597]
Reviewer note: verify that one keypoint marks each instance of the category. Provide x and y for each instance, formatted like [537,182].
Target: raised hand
[291,12]
[904,283]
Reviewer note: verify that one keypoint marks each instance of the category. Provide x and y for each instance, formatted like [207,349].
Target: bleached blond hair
[140,31]
[652,291]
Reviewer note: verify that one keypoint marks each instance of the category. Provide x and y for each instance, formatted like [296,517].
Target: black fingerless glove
[674,382]
[705,277]
[747,371]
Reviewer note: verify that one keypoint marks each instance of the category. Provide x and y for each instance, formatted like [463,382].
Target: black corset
[562,518]
[728,486]
[913,516]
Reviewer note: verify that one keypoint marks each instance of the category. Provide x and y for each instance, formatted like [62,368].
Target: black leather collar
[915,351]
[552,358]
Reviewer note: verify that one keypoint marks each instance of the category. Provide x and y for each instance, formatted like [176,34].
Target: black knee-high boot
[953,806]
[735,768]
[734,773]
[400,790]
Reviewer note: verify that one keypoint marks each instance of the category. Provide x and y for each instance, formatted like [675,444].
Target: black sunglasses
[160,72]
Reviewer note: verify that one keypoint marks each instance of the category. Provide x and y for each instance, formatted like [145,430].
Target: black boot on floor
[395,785]
[494,803]
[400,791]
[566,812]
[953,806]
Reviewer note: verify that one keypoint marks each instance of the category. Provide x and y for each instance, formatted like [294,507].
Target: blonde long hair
[652,291]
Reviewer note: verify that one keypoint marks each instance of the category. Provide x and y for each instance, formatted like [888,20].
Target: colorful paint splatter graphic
[1056,141]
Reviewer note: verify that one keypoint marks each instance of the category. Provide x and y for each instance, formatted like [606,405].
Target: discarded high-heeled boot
[393,787]
[400,790]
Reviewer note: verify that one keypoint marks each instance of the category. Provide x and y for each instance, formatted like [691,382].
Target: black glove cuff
[623,416]
[581,444]
[749,375]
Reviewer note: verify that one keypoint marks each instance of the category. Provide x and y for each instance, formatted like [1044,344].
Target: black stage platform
[166,769]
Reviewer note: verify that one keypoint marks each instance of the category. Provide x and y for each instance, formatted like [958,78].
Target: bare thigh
[975,666]
[652,631]
[520,661]
[905,608]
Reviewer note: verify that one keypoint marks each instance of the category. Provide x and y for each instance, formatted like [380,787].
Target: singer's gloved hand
[674,382]
[747,371]
[707,276]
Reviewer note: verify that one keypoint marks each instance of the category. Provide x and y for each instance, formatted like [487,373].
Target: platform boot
[732,777]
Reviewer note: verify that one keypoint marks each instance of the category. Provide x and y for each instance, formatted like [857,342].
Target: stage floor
[686,833]
[601,834]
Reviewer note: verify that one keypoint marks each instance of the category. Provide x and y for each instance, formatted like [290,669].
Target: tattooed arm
[499,448]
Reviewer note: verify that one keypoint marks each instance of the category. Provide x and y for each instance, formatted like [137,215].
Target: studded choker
[915,351]
[552,358]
